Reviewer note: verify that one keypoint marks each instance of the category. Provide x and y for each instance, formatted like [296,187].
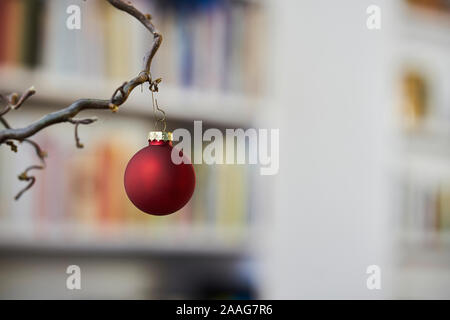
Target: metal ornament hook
[153,87]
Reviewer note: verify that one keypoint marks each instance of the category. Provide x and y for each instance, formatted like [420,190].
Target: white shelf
[179,103]
[426,27]
[431,127]
[421,165]
[422,283]
[72,238]
[418,238]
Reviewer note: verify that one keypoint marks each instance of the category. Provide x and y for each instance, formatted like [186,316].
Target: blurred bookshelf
[211,65]
[134,240]
[422,165]
[182,103]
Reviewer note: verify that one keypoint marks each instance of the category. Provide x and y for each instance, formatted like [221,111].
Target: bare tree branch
[16,105]
[13,101]
[77,122]
[24,175]
[5,123]
[145,19]
[120,95]
[12,145]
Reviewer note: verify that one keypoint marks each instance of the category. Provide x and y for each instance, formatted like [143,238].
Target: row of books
[85,187]
[208,44]
[425,205]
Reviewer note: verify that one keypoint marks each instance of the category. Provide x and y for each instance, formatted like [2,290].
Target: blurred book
[426,206]
[415,98]
[442,6]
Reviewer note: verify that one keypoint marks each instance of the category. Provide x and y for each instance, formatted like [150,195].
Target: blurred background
[364,179]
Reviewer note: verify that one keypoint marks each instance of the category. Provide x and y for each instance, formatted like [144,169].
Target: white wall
[332,86]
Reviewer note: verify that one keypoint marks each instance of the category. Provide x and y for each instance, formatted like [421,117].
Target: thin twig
[23,98]
[12,145]
[5,123]
[77,122]
[24,175]
[39,152]
[14,101]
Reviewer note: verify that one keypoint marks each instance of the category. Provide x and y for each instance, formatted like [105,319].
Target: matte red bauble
[154,183]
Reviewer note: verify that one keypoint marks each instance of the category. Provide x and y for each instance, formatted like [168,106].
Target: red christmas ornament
[153,182]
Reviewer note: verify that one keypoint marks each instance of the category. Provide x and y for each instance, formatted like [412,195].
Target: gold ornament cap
[160,136]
